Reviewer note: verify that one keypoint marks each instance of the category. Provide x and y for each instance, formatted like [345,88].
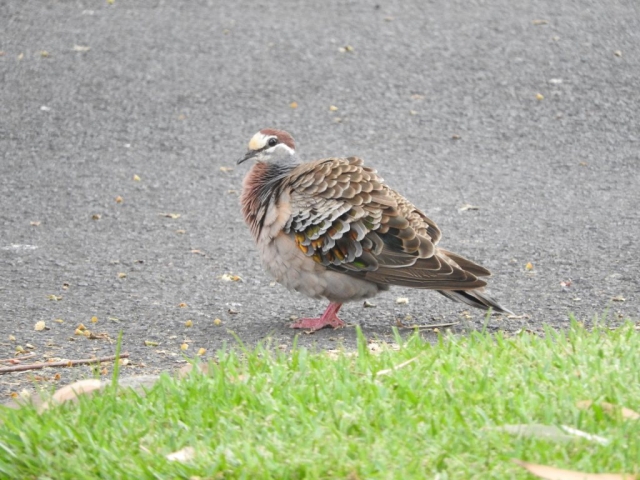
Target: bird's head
[270,145]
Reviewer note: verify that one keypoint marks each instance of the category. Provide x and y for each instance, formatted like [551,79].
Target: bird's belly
[292,268]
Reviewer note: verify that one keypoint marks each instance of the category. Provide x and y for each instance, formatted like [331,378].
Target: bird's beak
[250,154]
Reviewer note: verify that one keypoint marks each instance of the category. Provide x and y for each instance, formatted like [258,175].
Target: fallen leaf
[468,206]
[228,277]
[184,455]
[626,413]
[553,473]
[562,433]
[81,48]
[72,392]
[39,326]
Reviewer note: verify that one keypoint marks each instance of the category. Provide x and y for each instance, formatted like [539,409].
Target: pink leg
[328,319]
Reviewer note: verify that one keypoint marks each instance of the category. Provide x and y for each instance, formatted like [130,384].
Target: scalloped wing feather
[345,218]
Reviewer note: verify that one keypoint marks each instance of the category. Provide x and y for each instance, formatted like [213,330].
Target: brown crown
[281,135]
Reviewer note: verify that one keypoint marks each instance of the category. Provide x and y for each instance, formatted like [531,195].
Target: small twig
[398,367]
[439,325]
[17,359]
[65,363]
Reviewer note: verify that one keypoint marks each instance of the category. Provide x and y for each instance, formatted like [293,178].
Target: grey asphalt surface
[440,96]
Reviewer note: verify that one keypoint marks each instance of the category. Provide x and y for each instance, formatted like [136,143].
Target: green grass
[269,414]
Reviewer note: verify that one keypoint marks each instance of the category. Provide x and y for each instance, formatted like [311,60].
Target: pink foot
[328,319]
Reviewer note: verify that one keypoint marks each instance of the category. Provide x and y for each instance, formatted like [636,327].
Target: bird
[332,229]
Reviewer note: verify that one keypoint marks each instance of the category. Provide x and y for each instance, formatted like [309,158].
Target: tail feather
[475,299]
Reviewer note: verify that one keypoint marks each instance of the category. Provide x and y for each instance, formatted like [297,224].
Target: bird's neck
[262,185]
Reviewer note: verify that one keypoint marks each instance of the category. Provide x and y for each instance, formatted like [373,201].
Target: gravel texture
[527,111]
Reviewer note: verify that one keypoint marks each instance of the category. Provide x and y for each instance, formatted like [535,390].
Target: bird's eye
[272,142]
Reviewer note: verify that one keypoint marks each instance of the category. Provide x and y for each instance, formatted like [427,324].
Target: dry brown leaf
[72,392]
[553,473]
[626,413]
[184,455]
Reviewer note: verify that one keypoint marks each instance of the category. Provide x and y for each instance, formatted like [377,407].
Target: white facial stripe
[286,147]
